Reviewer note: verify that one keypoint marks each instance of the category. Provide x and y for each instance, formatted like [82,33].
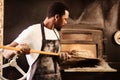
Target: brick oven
[85,44]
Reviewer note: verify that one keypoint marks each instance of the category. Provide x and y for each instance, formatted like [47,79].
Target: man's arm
[9,53]
[24,49]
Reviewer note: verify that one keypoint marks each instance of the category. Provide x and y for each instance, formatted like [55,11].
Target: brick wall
[1,29]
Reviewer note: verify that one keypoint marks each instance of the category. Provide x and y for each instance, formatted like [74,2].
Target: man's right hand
[24,49]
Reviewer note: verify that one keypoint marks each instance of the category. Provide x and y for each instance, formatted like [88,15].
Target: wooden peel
[31,51]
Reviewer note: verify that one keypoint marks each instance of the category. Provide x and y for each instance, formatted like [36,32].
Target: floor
[90,75]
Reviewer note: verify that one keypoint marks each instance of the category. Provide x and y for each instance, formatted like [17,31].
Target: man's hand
[64,55]
[24,49]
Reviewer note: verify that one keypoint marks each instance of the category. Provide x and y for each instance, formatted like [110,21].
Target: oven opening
[81,50]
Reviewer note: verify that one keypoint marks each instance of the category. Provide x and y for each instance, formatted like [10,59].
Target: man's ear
[56,17]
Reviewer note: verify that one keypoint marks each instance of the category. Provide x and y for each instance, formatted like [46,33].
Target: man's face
[61,21]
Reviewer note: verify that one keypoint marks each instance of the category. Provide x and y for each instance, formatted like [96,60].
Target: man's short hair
[56,8]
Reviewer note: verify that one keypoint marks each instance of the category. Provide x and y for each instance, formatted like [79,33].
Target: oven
[86,47]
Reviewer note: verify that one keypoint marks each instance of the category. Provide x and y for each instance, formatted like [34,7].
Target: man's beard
[58,27]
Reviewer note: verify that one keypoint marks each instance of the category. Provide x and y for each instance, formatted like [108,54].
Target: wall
[1,28]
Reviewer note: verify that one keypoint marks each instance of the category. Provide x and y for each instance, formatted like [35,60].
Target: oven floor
[90,75]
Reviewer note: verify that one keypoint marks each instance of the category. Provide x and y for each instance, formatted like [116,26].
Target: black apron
[46,67]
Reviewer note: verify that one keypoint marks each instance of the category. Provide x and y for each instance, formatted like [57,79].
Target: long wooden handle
[31,51]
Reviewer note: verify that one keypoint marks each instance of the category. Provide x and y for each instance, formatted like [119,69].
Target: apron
[46,67]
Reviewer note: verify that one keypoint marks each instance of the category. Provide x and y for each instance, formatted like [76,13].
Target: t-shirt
[33,37]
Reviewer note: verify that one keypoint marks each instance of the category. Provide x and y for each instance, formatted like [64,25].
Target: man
[44,37]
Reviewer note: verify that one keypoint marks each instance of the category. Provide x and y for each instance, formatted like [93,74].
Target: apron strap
[43,31]
[43,36]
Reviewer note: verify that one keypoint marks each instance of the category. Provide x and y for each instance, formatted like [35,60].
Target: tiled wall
[1,29]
